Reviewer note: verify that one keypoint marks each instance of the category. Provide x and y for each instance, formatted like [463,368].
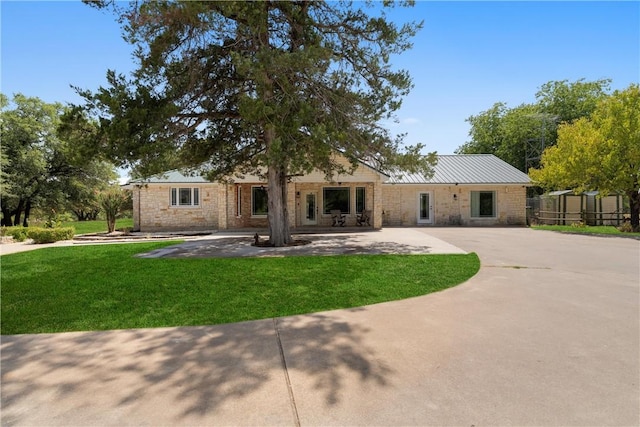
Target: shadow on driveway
[351,244]
[179,375]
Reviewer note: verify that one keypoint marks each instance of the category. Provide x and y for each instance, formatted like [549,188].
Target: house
[474,190]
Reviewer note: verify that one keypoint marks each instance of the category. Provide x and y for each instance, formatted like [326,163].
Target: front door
[425,208]
[310,213]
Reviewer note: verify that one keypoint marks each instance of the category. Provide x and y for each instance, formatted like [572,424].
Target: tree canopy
[518,135]
[275,88]
[40,168]
[600,152]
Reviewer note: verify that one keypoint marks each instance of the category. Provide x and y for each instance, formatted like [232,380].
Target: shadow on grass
[227,374]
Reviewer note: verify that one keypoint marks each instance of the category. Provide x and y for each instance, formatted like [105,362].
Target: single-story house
[473,189]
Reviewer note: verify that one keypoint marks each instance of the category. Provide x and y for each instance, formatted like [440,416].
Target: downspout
[139,214]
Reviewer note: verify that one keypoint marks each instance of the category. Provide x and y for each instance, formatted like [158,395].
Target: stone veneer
[400,204]
[153,210]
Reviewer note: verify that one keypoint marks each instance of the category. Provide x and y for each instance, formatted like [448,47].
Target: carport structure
[565,207]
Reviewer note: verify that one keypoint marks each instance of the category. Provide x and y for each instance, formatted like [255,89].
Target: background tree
[599,153]
[78,193]
[571,101]
[507,132]
[274,88]
[40,165]
[29,141]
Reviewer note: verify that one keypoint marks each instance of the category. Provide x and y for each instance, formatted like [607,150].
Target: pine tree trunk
[279,232]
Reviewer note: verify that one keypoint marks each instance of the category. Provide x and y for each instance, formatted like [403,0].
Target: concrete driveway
[546,334]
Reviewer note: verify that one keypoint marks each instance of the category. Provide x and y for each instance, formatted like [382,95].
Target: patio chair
[363,218]
[338,218]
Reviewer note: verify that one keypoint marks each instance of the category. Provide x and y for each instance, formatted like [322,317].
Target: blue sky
[468,56]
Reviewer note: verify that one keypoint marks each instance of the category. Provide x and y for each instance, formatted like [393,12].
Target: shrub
[18,233]
[125,230]
[112,201]
[578,224]
[626,227]
[55,219]
[50,235]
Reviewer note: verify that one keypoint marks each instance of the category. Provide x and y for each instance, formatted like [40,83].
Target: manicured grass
[104,287]
[595,230]
[97,226]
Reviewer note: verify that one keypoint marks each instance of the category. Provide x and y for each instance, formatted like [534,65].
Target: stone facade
[153,210]
[450,205]
[229,205]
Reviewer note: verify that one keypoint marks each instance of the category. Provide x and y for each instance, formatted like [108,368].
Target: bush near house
[39,234]
[50,235]
[18,233]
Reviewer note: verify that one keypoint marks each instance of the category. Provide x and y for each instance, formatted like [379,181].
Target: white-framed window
[185,196]
[238,201]
[259,201]
[336,198]
[483,204]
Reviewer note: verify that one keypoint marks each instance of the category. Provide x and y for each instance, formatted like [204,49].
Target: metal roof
[559,192]
[466,169]
[173,176]
[450,169]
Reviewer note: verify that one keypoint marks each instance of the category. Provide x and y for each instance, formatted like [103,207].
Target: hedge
[50,235]
[18,233]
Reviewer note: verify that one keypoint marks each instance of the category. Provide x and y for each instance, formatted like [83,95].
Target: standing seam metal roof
[173,176]
[450,169]
[466,169]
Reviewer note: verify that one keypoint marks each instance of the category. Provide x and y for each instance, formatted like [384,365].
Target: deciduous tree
[515,134]
[599,153]
[272,87]
[40,168]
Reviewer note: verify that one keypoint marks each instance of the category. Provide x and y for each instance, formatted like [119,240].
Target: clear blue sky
[468,56]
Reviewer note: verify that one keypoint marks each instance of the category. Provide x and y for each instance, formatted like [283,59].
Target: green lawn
[98,226]
[595,230]
[104,287]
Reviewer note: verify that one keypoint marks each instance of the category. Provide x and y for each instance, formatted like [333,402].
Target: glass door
[425,208]
[310,214]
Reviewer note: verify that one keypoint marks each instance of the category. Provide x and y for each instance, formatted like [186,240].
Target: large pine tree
[273,87]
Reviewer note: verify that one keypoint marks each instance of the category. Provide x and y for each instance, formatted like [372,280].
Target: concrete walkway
[546,334]
[239,244]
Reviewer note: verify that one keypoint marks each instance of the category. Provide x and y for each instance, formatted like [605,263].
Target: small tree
[112,201]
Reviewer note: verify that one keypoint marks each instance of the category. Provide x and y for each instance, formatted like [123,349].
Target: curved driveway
[546,334]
